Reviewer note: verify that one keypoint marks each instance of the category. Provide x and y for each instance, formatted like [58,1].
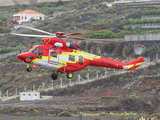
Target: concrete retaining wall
[147,26]
[146,37]
[150,17]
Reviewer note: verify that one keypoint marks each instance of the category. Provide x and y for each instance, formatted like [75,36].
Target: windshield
[31,49]
[35,51]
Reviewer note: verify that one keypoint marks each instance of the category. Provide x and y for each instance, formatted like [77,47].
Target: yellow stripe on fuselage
[74,53]
[134,65]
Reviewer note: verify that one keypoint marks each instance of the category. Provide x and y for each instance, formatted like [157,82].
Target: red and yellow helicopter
[63,57]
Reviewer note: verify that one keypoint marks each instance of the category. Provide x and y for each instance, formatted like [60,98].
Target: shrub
[9,57]
[102,114]
[65,114]
[14,108]
[1,108]
[83,73]
[103,34]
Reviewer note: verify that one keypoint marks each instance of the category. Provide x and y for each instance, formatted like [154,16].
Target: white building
[108,4]
[27,15]
[29,96]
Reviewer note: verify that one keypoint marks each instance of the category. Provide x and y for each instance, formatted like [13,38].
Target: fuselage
[68,57]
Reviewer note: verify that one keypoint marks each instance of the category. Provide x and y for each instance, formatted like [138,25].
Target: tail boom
[109,63]
[134,64]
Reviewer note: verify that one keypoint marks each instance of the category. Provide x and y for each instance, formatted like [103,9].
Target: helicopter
[64,57]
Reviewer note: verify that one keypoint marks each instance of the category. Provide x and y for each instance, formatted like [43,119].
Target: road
[6,117]
[45,102]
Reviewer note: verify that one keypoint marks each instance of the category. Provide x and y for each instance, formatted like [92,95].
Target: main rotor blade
[36,30]
[80,33]
[28,35]
[98,40]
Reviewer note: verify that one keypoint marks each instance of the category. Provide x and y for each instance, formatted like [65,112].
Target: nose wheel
[29,69]
[69,75]
[54,76]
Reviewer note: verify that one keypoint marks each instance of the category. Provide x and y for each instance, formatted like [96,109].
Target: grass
[1,108]
[119,115]
[65,114]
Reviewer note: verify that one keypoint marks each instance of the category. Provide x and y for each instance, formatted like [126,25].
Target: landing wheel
[29,69]
[54,76]
[69,75]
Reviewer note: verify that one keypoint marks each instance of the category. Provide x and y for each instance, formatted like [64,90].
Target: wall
[150,17]
[29,96]
[147,26]
[146,37]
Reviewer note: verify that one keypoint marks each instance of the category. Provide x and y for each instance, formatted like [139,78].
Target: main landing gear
[69,75]
[29,69]
[54,75]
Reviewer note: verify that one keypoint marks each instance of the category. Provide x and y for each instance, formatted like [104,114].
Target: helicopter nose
[21,57]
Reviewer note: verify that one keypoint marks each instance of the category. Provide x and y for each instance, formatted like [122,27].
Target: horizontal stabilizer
[134,64]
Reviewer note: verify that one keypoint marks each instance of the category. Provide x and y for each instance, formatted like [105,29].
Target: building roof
[28,12]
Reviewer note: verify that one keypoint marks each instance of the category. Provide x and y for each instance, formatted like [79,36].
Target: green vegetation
[1,108]
[9,49]
[65,114]
[4,29]
[137,30]
[103,34]
[141,21]
[45,8]
[151,12]
[28,119]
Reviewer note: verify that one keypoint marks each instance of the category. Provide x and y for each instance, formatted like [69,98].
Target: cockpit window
[35,51]
[30,50]
[40,52]
[72,47]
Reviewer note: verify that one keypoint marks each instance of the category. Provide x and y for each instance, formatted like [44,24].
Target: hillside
[140,93]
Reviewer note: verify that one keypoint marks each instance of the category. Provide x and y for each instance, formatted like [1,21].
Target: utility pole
[88,76]
[43,86]
[97,74]
[7,93]
[16,91]
[0,94]
[25,89]
[33,87]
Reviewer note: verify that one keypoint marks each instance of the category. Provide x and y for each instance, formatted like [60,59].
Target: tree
[148,53]
[126,27]
[122,33]
[137,28]
[127,50]
[103,34]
